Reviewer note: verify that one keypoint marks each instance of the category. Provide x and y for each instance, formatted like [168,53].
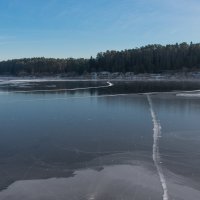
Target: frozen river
[104,140]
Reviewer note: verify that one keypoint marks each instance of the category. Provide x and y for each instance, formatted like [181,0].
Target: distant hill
[148,59]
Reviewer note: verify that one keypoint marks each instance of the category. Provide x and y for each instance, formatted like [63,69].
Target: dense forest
[147,59]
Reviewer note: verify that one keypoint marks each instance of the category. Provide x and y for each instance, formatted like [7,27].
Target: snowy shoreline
[150,77]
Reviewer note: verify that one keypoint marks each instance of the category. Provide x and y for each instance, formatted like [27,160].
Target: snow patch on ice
[188,95]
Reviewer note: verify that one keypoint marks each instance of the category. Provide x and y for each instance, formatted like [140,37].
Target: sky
[82,28]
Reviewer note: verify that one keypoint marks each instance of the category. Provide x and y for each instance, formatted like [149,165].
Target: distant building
[115,75]
[93,75]
[104,75]
[129,75]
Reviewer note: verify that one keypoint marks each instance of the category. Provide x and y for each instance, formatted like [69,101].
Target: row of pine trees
[147,59]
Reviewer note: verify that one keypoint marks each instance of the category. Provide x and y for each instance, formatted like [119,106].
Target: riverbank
[105,76]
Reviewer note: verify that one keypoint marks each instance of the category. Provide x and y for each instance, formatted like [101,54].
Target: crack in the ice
[156,154]
[57,90]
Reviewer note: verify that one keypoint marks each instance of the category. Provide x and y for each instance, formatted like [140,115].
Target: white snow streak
[188,95]
[57,90]
[156,154]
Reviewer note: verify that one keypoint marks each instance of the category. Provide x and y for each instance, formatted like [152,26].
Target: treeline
[148,59]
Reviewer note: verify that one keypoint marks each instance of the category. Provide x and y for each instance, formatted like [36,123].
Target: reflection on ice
[112,182]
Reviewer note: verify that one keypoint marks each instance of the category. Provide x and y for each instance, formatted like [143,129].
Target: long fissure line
[57,90]
[156,154]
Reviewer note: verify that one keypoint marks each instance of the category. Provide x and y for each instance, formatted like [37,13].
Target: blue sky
[81,28]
